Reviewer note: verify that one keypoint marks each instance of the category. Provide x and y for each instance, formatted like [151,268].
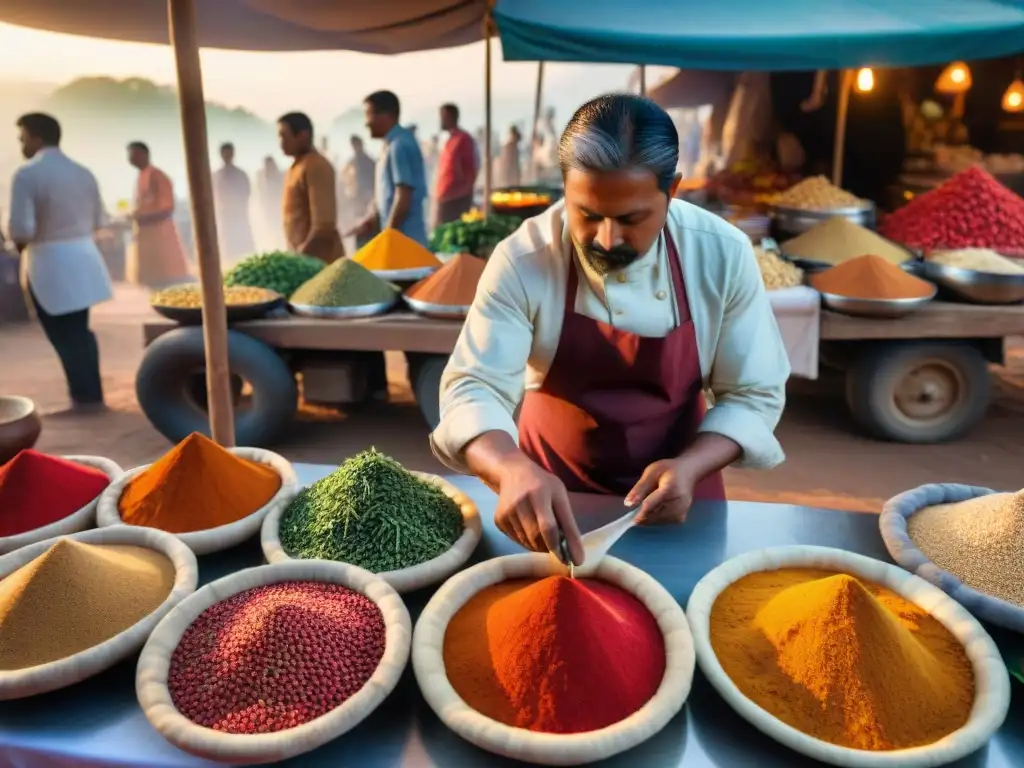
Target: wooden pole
[643,80]
[846,78]
[182,16]
[487,153]
[538,96]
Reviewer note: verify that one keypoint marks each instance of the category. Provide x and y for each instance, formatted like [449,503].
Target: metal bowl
[20,426]
[238,313]
[440,311]
[405,275]
[885,308]
[342,313]
[796,221]
[974,286]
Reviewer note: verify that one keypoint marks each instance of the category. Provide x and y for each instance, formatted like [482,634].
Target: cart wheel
[926,392]
[165,384]
[426,373]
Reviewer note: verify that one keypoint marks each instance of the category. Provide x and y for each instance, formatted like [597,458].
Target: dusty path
[828,464]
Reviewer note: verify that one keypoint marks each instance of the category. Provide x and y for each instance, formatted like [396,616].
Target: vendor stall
[99,722]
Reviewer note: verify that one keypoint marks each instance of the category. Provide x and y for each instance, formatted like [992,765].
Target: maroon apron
[615,402]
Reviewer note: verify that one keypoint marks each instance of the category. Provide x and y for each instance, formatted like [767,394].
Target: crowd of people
[56,210]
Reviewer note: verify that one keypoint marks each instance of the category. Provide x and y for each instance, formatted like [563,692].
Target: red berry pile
[275,657]
[970,210]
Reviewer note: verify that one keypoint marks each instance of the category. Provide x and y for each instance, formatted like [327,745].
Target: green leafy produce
[277,271]
[373,513]
[477,237]
[345,283]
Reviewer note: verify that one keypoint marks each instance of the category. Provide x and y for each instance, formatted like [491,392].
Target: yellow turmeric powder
[392,250]
[842,660]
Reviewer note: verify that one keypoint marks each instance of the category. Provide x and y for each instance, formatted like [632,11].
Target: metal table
[98,723]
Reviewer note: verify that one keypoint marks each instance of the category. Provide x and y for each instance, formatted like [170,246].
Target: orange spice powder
[453,285]
[195,486]
[393,250]
[871,277]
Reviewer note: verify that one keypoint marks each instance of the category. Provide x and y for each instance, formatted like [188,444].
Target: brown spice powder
[454,285]
[75,596]
[842,660]
[871,277]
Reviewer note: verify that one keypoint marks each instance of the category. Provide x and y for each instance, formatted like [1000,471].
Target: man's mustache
[619,253]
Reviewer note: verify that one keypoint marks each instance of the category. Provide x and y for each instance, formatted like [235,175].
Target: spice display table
[98,723]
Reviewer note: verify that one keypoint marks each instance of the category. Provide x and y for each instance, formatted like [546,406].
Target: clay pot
[19,426]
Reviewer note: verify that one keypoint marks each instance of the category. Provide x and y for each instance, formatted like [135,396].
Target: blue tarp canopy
[760,34]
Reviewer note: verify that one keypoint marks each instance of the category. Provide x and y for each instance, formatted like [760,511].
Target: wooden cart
[921,379]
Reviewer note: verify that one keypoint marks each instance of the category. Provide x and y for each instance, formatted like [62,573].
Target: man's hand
[532,506]
[666,490]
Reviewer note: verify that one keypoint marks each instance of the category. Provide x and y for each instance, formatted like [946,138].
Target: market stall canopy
[759,35]
[395,26]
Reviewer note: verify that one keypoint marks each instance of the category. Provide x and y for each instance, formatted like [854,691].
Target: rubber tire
[425,372]
[166,373]
[872,379]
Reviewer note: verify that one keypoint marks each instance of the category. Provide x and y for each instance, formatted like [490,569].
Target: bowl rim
[22,400]
[907,302]
[551,748]
[892,523]
[965,276]
[221,537]
[15,684]
[992,684]
[155,660]
[79,520]
[405,579]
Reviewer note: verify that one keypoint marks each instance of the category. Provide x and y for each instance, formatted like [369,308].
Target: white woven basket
[992,683]
[223,536]
[551,748]
[81,520]
[41,678]
[416,576]
[155,661]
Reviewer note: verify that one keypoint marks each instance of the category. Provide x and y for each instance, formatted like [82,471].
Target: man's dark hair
[355,138]
[139,145]
[41,126]
[227,146]
[297,122]
[384,103]
[452,110]
[618,132]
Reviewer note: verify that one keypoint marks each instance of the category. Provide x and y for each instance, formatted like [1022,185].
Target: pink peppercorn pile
[276,657]
[970,210]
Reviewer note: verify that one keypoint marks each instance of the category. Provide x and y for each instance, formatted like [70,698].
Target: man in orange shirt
[457,168]
[310,193]
[156,257]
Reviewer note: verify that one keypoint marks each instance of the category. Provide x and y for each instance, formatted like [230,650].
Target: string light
[955,79]
[1013,99]
[865,80]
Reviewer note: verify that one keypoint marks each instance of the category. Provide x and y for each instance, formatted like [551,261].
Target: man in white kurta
[55,209]
[604,320]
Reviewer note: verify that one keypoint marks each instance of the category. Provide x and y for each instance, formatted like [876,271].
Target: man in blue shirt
[401,183]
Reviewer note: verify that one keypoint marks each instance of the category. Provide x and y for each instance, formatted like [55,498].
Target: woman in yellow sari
[156,257]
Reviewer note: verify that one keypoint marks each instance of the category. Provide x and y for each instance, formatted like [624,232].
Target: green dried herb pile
[373,513]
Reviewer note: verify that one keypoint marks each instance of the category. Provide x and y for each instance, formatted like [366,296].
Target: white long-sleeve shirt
[509,339]
[55,209]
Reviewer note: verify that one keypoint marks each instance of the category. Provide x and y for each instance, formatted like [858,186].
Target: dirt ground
[828,464]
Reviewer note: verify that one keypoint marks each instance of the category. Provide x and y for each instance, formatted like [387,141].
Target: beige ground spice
[980,541]
[75,596]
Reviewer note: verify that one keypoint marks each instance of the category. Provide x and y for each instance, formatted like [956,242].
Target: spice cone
[838,239]
[37,489]
[195,486]
[871,277]
[835,642]
[556,655]
[453,285]
[75,596]
[392,250]
[344,283]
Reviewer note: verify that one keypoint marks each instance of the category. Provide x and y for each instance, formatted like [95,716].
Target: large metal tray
[342,313]
[885,308]
[974,286]
[236,314]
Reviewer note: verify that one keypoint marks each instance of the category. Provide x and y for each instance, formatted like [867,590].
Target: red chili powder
[556,655]
[37,490]
[276,657]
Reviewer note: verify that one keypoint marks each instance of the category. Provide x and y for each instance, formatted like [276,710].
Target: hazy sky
[322,84]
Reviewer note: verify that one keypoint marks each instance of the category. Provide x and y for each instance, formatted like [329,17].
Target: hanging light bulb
[956,78]
[1013,99]
[865,80]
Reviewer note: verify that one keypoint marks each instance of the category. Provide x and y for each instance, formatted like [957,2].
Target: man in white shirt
[55,209]
[614,310]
